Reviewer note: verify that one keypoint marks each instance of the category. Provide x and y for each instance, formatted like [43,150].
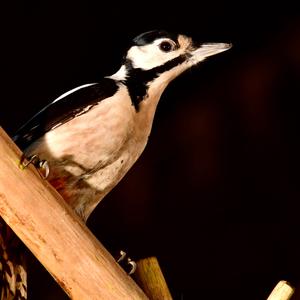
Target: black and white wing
[73,103]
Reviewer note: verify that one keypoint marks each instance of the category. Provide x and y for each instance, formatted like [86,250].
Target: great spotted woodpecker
[89,137]
[92,135]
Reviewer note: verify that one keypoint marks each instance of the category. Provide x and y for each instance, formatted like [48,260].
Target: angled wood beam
[56,235]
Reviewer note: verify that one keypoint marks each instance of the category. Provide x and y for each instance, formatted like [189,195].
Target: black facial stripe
[138,79]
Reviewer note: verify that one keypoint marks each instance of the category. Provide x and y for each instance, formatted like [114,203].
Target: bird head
[156,49]
[157,57]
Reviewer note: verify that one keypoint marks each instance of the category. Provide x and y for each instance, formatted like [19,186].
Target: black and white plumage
[93,134]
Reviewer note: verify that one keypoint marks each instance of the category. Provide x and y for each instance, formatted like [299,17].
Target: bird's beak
[209,49]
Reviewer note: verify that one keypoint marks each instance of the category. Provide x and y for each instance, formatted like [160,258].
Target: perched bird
[92,135]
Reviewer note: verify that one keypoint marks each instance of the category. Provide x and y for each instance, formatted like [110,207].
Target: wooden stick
[282,291]
[151,279]
[56,236]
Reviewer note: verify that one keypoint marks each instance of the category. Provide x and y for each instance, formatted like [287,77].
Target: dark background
[215,196]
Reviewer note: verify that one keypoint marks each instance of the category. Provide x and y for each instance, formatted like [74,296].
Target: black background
[215,196]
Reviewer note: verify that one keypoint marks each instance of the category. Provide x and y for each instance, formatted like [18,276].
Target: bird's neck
[145,89]
[142,85]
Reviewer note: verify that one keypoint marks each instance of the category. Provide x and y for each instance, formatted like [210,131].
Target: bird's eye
[166,46]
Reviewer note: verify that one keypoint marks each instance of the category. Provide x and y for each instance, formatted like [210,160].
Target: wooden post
[282,291]
[56,235]
[151,279]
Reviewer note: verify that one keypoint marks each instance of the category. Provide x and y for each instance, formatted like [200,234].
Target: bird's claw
[126,263]
[41,165]
[131,263]
[122,256]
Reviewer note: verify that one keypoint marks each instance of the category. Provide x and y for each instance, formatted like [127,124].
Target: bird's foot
[126,263]
[41,165]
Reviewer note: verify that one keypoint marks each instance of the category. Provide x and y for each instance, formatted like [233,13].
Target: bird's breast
[98,146]
[91,153]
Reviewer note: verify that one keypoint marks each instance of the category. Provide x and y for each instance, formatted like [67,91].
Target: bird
[89,137]
[93,134]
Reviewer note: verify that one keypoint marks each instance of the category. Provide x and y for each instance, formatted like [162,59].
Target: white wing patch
[72,91]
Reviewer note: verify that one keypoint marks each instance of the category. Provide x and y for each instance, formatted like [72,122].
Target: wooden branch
[151,279]
[56,236]
[282,291]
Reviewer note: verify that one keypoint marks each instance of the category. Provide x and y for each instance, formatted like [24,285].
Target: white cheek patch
[150,56]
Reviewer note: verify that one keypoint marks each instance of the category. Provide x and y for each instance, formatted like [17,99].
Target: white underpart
[73,90]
